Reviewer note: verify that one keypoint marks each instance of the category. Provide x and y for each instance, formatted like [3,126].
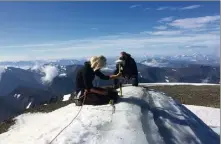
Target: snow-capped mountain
[59,80]
[11,78]
[181,60]
[38,63]
[23,98]
[60,77]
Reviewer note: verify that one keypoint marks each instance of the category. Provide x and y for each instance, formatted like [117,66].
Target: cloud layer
[198,22]
[178,8]
[190,7]
[172,36]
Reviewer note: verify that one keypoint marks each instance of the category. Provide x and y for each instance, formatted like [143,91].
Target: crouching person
[129,69]
[84,83]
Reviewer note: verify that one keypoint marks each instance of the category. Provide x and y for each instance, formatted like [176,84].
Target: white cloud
[94,28]
[172,32]
[155,42]
[177,8]
[146,9]
[199,22]
[134,43]
[13,57]
[134,6]
[190,7]
[166,8]
[138,43]
[50,73]
[162,8]
[166,19]
[160,27]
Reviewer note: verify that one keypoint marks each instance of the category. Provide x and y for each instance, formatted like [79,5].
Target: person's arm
[101,75]
[104,77]
[115,76]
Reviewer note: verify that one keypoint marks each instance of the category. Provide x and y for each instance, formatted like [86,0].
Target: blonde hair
[98,62]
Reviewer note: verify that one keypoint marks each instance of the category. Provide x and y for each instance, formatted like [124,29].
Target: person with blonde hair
[84,81]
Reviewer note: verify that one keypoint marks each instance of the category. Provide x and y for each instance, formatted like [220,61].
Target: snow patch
[166,79]
[66,97]
[63,75]
[205,80]
[107,69]
[156,84]
[216,129]
[2,70]
[28,106]
[17,95]
[209,115]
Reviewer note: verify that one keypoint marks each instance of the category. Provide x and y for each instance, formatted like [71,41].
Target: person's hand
[119,74]
[115,76]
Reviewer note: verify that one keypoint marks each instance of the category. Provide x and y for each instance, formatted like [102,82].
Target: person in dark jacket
[85,77]
[129,69]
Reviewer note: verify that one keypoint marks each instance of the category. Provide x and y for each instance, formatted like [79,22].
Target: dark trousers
[97,99]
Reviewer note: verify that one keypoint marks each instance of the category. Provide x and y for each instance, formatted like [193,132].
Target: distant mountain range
[24,88]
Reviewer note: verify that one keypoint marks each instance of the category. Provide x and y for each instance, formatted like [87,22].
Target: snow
[107,69]
[209,115]
[195,84]
[166,79]
[66,97]
[154,63]
[17,95]
[63,75]
[2,70]
[212,116]
[141,117]
[28,106]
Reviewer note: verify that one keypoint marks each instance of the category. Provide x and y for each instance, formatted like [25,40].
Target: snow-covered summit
[142,116]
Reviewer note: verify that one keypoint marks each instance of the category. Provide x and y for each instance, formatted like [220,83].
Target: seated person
[84,83]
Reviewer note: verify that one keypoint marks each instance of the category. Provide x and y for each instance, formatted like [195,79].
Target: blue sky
[54,30]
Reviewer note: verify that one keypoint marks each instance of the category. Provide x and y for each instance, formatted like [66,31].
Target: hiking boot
[78,102]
